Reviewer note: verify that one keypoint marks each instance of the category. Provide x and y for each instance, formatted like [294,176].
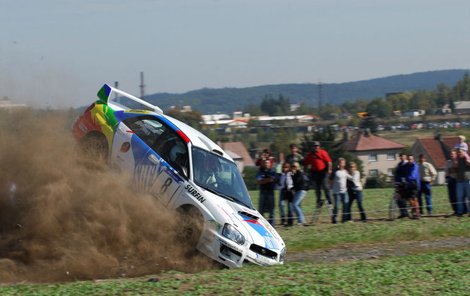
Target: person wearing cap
[319,165]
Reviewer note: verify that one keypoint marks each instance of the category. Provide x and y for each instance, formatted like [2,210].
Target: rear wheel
[95,146]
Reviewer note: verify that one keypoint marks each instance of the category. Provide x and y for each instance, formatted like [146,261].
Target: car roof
[197,138]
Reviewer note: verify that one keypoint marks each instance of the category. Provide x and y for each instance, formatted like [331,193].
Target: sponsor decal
[195,193]
[269,241]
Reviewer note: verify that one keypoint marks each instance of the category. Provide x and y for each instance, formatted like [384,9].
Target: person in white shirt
[355,191]
[338,181]
[427,173]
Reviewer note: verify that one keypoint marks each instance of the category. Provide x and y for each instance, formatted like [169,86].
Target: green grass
[330,236]
[423,274]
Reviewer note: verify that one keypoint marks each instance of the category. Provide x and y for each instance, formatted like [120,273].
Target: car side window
[163,140]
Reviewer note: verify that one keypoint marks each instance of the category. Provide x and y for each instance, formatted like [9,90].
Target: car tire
[190,231]
[95,146]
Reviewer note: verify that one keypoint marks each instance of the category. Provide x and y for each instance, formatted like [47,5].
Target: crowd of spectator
[342,184]
[299,174]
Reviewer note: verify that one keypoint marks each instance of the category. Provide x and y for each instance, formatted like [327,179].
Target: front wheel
[190,230]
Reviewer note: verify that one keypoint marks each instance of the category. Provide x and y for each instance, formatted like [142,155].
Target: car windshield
[220,176]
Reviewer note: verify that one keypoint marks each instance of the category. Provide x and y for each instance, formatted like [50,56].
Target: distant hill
[209,100]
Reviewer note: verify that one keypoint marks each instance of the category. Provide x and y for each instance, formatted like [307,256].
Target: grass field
[424,274]
[415,270]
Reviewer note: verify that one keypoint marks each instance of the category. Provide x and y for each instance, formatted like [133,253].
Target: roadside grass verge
[335,235]
[424,274]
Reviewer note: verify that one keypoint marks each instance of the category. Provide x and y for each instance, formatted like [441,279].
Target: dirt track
[375,251]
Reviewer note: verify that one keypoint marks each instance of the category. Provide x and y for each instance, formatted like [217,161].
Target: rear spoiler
[116,98]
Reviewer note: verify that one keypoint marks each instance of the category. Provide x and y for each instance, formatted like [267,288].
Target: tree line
[382,107]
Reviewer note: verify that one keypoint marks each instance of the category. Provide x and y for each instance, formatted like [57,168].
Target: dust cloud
[64,217]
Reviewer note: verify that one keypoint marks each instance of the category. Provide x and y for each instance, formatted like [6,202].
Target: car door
[170,157]
[164,182]
[160,157]
[127,149]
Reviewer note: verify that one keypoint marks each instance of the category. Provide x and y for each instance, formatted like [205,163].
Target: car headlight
[233,234]
[283,255]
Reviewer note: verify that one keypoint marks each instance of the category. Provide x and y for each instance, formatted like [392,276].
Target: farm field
[430,256]
[408,137]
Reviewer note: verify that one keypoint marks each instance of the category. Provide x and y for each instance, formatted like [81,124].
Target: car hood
[254,227]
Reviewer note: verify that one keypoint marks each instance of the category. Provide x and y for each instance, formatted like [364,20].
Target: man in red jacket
[319,165]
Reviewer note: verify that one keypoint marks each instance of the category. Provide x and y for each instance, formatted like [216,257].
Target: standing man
[427,173]
[266,179]
[412,185]
[451,178]
[463,182]
[400,179]
[318,164]
[294,155]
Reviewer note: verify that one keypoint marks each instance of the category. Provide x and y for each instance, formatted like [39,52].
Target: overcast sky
[59,52]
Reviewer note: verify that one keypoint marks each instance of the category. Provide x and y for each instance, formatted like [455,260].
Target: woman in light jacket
[355,191]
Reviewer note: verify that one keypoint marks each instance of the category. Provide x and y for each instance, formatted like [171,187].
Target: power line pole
[320,96]
[142,85]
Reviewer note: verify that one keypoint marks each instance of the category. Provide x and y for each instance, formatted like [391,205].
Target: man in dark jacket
[400,180]
[412,184]
[266,179]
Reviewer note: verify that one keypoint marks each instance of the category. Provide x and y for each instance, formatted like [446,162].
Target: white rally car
[185,171]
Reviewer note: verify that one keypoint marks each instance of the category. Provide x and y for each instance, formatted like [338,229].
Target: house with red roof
[378,155]
[437,151]
[239,154]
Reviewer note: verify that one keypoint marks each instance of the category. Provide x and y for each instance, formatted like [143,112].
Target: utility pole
[320,96]
[142,85]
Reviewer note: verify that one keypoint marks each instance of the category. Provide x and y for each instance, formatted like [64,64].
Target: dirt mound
[63,217]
